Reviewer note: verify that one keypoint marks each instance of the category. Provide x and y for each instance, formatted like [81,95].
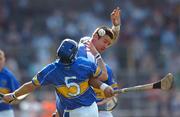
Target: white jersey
[82,50]
[7,113]
[105,114]
[85,111]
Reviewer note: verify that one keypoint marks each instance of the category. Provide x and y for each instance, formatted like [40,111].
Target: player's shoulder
[5,70]
[8,73]
[51,65]
[49,68]
[84,65]
[82,40]
[82,61]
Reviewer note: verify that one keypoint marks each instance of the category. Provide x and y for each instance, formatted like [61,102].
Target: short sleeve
[45,76]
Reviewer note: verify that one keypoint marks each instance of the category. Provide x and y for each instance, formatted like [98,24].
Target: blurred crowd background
[148,48]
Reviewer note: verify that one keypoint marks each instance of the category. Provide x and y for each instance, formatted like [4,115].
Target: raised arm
[116,22]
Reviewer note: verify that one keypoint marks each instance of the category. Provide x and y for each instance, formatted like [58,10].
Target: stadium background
[148,48]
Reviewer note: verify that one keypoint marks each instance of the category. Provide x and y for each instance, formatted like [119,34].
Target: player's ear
[95,36]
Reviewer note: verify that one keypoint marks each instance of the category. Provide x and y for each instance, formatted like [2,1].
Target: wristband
[103,86]
[97,56]
[14,96]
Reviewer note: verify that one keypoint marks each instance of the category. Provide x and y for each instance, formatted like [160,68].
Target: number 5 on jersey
[73,88]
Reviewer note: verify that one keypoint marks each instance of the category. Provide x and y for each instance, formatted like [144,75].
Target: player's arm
[96,83]
[116,21]
[23,90]
[99,60]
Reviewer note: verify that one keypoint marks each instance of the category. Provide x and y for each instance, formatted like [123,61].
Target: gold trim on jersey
[65,91]
[4,90]
[35,80]
[98,71]
[99,93]
[114,86]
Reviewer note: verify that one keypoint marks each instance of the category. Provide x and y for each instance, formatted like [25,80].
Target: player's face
[102,43]
[2,61]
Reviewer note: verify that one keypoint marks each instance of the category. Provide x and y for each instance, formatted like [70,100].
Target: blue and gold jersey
[8,84]
[70,82]
[110,81]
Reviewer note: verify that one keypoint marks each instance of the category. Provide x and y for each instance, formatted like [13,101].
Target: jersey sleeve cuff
[35,81]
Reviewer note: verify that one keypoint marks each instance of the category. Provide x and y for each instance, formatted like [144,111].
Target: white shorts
[105,114]
[7,113]
[85,111]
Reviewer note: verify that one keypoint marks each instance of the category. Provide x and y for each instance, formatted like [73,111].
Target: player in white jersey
[102,38]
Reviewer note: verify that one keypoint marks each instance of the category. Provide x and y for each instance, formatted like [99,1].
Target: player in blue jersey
[70,76]
[8,84]
[102,38]
[105,105]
